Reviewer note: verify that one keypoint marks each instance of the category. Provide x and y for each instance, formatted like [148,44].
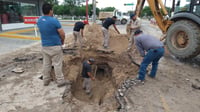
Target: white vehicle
[122,17]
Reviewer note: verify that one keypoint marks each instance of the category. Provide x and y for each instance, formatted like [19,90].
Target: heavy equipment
[182,29]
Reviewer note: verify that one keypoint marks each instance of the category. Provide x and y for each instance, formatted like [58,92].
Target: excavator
[182,29]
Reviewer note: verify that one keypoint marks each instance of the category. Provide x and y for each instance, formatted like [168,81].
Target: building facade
[13,11]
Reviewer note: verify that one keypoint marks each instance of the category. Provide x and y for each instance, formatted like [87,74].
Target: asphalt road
[9,44]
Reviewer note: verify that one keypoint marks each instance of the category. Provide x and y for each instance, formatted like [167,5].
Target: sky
[119,4]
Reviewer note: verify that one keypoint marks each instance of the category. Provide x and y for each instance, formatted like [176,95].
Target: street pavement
[11,40]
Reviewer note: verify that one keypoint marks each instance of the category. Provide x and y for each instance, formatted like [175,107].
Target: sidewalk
[12,26]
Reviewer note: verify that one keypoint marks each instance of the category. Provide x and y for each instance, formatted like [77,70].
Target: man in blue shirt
[105,26]
[154,51]
[52,37]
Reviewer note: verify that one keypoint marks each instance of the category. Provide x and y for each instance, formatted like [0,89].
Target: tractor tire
[183,39]
[123,21]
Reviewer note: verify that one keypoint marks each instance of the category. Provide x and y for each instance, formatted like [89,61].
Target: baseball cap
[114,17]
[92,60]
[132,15]
[85,22]
[137,32]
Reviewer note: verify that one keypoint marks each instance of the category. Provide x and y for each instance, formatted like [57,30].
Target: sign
[128,4]
[30,19]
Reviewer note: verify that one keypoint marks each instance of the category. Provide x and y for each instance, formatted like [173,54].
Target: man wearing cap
[135,25]
[87,75]
[154,49]
[106,24]
[78,32]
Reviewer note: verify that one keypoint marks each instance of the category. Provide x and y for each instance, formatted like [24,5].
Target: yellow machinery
[182,29]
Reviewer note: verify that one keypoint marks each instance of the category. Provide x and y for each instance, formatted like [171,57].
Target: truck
[182,29]
[122,17]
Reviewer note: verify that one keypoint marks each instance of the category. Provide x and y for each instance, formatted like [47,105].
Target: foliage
[108,9]
[52,2]
[147,11]
[69,8]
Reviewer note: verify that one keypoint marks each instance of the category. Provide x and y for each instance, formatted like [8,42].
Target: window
[182,5]
[13,11]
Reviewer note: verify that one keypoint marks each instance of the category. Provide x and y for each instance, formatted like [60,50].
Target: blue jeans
[153,56]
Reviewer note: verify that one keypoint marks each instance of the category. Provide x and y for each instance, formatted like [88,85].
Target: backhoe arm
[156,7]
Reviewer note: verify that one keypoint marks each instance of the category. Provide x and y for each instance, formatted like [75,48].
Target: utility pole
[165,3]
[0,26]
[87,10]
[94,11]
[173,5]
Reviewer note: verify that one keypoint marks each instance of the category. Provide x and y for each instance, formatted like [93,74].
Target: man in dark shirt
[154,49]
[78,32]
[105,26]
[87,75]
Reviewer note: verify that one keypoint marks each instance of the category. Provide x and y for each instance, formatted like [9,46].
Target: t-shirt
[108,22]
[86,68]
[48,27]
[78,26]
[136,23]
[145,42]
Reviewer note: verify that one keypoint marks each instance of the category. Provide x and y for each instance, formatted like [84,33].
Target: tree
[146,11]
[69,8]
[60,10]
[52,2]
[108,9]
[73,2]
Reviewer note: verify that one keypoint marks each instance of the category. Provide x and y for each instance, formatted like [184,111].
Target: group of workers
[52,38]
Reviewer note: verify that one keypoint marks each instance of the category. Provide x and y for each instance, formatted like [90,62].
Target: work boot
[106,47]
[153,77]
[89,94]
[63,83]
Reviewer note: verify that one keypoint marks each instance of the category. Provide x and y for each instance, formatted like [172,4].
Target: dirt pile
[93,38]
[111,69]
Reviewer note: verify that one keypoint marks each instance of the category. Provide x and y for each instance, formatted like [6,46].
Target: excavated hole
[101,87]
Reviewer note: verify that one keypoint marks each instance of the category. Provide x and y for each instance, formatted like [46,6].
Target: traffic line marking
[19,36]
[164,103]
[67,24]
[20,31]
[13,34]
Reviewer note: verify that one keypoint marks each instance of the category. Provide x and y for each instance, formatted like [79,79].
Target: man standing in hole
[105,26]
[87,75]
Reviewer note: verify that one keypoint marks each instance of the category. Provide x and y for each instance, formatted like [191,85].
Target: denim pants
[153,56]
